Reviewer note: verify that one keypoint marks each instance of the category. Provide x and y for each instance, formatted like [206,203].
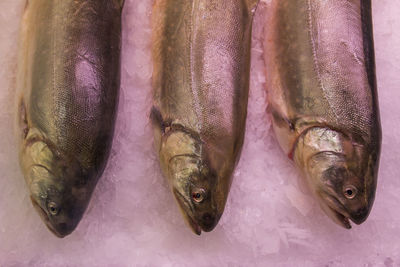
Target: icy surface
[132,220]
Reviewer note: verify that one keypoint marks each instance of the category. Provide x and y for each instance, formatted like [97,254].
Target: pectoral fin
[22,118]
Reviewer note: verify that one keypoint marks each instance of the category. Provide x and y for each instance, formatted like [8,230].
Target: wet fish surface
[67,91]
[201,53]
[321,82]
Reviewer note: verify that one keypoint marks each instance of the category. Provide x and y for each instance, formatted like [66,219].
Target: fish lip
[182,202]
[46,219]
[337,209]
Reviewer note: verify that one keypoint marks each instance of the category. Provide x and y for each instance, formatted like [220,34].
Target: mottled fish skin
[201,53]
[67,88]
[321,83]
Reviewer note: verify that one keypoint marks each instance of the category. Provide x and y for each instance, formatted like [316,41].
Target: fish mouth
[43,215]
[336,210]
[184,206]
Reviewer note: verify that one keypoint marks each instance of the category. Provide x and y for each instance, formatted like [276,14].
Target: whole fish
[320,65]
[201,53]
[67,88]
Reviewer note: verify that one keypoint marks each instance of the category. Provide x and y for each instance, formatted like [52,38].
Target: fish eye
[198,195]
[350,192]
[52,208]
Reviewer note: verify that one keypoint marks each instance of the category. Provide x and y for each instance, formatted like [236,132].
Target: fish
[323,102]
[201,56]
[67,91]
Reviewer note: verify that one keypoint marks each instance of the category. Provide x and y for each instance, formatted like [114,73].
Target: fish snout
[208,221]
[62,229]
[360,215]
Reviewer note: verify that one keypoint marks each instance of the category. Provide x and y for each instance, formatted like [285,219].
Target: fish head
[193,186]
[343,178]
[58,187]
[55,201]
[343,193]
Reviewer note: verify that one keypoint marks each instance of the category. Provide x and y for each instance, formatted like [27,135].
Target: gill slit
[315,60]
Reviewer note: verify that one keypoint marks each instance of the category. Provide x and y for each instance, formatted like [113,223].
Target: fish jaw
[332,165]
[185,208]
[205,221]
[333,207]
[69,202]
[340,209]
[334,210]
[45,175]
[183,164]
[181,170]
[60,230]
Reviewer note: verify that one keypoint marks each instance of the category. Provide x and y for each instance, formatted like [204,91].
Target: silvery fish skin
[67,89]
[201,53]
[321,79]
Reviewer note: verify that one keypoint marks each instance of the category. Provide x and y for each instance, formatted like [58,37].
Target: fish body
[201,54]
[67,88]
[320,68]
